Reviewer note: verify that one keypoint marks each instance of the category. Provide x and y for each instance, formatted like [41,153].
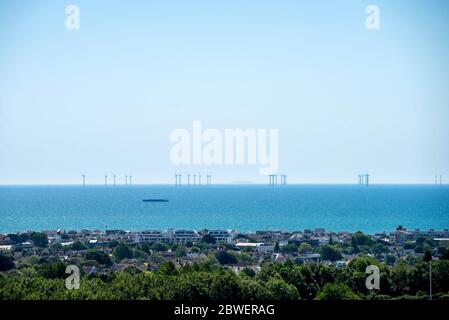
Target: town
[115,250]
[176,264]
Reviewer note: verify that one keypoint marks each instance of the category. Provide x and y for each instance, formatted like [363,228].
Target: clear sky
[104,99]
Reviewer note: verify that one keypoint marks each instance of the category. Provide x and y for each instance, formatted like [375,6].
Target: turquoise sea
[370,209]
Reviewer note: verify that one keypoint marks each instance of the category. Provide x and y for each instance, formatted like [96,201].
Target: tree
[441,276]
[18,237]
[207,238]
[304,247]
[427,256]
[98,256]
[354,245]
[6,263]
[122,251]
[145,247]
[253,290]
[289,248]
[160,247]
[39,239]
[336,291]
[78,246]
[180,251]
[360,263]
[53,270]
[445,255]
[330,253]
[167,268]
[362,239]
[223,257]
[379,248]
[281,290]
[276,247]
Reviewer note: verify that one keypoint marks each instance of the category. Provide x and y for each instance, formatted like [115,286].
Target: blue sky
[104,99]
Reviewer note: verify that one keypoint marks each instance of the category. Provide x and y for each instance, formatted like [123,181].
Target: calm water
[245,208]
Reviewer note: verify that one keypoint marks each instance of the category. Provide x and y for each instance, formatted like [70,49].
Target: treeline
[209,281]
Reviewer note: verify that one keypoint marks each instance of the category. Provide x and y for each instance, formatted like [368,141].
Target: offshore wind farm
[245,207]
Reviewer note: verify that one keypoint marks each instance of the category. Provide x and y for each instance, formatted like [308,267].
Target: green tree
[223,257]
[360,263]
[289,248]
[281,290]
[207,238]
[330,253]
[98,256]
[379,248]
[180,251]
[304,247]
[254,290]
[18,238]
[248,272]
[78,246]
[122,251]
[440,272]
[39,239]
[361,239]
[354,245]
[53,270]
[336,291]
[167,268]
[159,247]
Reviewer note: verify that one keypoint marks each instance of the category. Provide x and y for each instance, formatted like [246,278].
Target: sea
[370,209]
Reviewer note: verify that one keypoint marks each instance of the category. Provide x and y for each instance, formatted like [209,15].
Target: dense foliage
[205,281]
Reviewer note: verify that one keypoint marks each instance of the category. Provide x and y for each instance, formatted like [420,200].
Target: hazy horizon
[248,183]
